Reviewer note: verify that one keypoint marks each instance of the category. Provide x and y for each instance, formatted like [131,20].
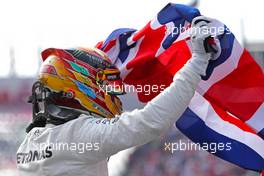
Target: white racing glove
[201,50]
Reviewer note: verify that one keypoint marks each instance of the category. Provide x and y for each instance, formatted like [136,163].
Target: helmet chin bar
[45,111]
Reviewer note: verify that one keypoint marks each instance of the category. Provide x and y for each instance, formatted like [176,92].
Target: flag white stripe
[257,120]
[202,108]
[222,70]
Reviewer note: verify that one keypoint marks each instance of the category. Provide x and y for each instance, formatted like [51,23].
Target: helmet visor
[111,82]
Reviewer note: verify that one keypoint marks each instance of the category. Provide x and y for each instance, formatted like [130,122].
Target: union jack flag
[228,104]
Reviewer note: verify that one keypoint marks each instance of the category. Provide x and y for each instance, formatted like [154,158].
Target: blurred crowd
[12,131]
[152,160]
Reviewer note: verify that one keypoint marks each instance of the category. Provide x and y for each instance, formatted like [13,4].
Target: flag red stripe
[242,91]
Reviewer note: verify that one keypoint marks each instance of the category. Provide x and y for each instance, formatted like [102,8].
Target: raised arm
[141,126]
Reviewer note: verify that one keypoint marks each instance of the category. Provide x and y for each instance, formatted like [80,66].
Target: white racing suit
[55,150]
